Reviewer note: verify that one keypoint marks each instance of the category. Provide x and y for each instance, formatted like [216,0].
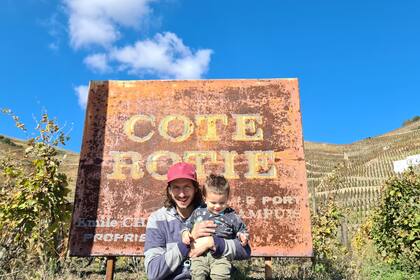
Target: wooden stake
[268,268]
[314,206]
[345,233]
[110,266]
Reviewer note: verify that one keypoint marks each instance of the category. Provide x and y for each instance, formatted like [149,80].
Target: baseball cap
[182,170]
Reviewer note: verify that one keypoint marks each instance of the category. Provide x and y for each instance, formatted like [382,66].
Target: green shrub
[379,270]
[412,120]
[396,222]
[330,256]
[34,211]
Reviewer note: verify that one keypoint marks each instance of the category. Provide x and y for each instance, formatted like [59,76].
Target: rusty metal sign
[248,130]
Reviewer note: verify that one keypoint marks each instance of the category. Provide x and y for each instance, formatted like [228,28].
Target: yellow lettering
[246,129]
[197,158]
[229,158]
[120,162]
[131,123]
[211,123]
[260,165]
[188,128]
[152,163]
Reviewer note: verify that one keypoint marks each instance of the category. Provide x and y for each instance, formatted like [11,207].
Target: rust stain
[250,130]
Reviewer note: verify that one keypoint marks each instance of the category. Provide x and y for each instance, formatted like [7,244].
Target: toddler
[229,226]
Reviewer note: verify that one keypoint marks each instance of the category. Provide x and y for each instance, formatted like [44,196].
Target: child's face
[216,203]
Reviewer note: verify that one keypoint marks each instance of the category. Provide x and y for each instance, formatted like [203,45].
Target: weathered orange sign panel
[248,130]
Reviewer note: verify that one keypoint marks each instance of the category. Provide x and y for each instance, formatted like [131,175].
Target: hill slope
[361,167]
[15,149]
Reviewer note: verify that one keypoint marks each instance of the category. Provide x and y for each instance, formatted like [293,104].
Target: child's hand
[201,245]
[186,237]
[243,238]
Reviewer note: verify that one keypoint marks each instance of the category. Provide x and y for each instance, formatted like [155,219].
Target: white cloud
[98,62]
[96,22]
[88,31]
[165,56]
[82,95]
[101,23]
[56,29]
[192,67]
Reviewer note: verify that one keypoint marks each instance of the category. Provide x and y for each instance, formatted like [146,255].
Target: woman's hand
[201,245]
[202,229]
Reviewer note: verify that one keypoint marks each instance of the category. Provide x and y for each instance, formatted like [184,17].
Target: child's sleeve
[232,249]
[240,226]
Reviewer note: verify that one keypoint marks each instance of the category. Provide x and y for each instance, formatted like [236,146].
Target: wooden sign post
[268,267]
[110,268]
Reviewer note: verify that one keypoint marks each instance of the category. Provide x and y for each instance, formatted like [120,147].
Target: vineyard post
[345,233]
[268,268]
[110,267]
[313,200]
[313,213]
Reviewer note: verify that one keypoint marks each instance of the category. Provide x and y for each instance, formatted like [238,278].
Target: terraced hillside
[360,167]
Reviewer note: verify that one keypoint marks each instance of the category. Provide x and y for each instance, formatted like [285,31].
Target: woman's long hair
[197,201]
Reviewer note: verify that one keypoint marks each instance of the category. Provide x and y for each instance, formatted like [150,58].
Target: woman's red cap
[182,170]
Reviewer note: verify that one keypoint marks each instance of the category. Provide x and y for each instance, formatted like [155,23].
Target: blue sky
[358,62]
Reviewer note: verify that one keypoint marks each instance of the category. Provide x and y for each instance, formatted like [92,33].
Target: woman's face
[182,192]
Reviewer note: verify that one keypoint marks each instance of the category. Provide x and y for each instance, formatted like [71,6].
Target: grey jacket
[166,255]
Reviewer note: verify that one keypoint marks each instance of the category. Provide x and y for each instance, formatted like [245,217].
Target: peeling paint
[248,130]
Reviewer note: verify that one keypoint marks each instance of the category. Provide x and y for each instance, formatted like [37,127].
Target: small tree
[34,211]
[330,254]
[396,222]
